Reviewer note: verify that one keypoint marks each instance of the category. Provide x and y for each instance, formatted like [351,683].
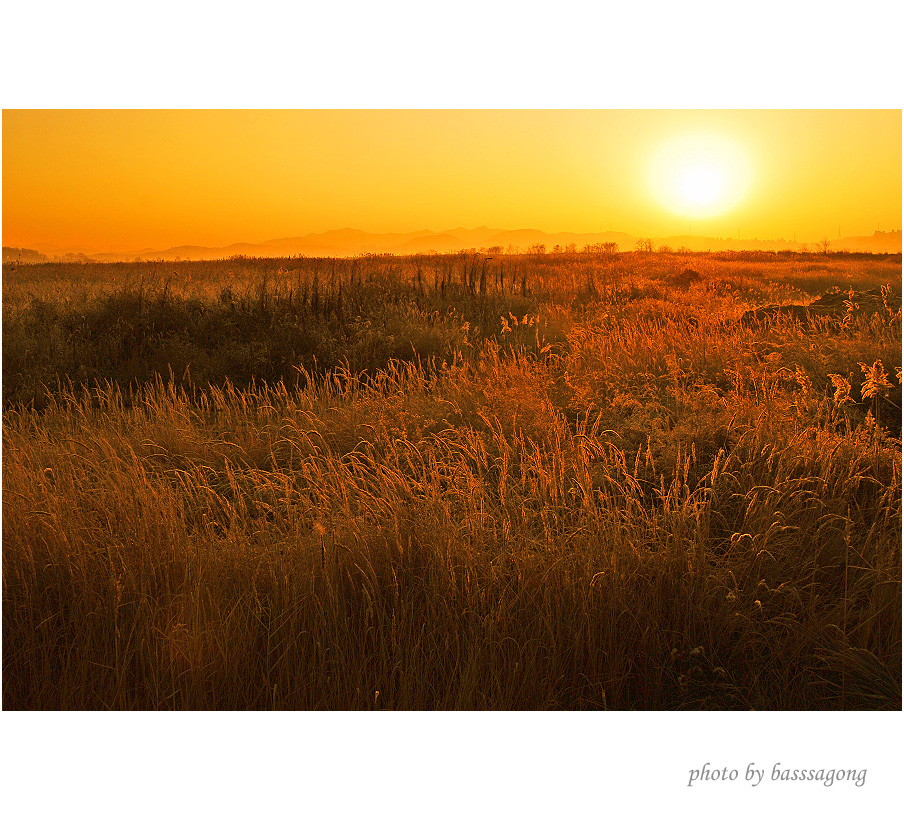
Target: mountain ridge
[354,242]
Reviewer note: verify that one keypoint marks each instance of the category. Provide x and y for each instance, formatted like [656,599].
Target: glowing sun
[700,175]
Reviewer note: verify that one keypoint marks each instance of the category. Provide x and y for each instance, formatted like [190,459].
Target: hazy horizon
[343,242]
[352,241]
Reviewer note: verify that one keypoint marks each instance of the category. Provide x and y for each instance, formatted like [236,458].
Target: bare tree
[824,244]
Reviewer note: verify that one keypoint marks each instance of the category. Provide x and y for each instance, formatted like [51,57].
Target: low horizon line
[102,248]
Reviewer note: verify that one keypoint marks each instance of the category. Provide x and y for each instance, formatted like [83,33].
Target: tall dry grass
[623,501]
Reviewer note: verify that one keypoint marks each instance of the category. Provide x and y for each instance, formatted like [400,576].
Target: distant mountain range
[352,242]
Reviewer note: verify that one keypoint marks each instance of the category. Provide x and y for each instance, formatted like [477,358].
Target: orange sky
[126,180]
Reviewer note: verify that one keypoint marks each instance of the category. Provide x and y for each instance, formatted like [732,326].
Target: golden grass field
[567,481]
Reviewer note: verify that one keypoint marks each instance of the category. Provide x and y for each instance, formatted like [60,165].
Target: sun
[700,175]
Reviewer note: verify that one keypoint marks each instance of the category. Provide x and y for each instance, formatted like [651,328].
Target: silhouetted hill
[436,243]
[23,255]
[474,237]
[879,242]
[352,242]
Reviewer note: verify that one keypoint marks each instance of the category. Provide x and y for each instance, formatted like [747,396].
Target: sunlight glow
[133,181]
[700,175]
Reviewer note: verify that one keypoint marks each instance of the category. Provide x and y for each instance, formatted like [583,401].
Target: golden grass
[618,509]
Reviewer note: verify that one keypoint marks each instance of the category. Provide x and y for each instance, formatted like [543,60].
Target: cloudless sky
[126,180]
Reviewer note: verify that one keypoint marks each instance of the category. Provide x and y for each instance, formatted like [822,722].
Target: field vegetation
[546,481]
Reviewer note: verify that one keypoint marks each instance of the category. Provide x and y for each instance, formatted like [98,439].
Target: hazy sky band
[127,180]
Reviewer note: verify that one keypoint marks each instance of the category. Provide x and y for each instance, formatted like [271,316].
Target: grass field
[563,481]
